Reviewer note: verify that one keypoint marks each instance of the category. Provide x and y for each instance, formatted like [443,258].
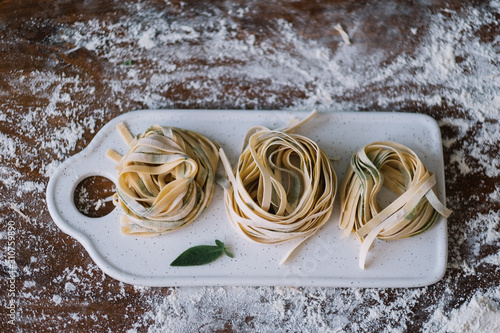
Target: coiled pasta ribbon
[283,187]
[399,169]
[165,180]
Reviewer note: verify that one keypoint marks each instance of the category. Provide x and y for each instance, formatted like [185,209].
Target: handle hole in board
[93,196]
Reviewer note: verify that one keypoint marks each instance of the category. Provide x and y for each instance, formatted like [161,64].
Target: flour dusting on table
[155,57]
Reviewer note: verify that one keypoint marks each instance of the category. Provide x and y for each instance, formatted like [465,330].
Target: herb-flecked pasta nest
[398,168]
[165,180]
[283,187]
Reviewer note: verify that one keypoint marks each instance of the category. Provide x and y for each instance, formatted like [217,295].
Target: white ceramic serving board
[324,260]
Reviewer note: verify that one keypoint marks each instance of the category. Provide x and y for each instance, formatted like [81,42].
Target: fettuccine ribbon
[165,180]
[399,169]
[283,187]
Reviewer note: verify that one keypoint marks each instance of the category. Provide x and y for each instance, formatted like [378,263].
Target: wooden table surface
[68,67]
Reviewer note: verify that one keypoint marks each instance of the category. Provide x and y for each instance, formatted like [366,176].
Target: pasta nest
[398,168]
[165,180]
[283,188]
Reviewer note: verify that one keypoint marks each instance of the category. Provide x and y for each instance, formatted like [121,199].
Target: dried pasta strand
[125,133]
[343,34]
[114,155]
[398,168]
[165,180]
[283,188]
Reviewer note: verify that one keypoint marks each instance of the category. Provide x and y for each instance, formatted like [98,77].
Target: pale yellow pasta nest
[165,180]
[283,187]
[399,169]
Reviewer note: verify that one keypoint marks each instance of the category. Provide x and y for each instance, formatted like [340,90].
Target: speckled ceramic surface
[325,260]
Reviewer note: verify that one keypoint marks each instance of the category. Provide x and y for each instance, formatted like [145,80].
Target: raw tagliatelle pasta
[283,187]
[399,169]
[165,180]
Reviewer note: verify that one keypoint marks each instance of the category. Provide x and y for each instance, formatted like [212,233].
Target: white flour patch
[493,259]
[480,314]
[7,147]
[57,299]
[146,39]
[268,309]
[12,178]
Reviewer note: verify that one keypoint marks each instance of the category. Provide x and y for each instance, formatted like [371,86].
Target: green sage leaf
[201,255]
[224,248]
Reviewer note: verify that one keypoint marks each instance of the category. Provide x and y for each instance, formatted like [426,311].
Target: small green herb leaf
[127,63]
[224,248]
[229,254]
[201,255]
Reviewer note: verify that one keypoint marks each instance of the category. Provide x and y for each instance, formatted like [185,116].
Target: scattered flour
[146,40]
[57,299]
[480,314]
[493,259]
[69,287]
[451,66]
[7,146]
[269,309]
